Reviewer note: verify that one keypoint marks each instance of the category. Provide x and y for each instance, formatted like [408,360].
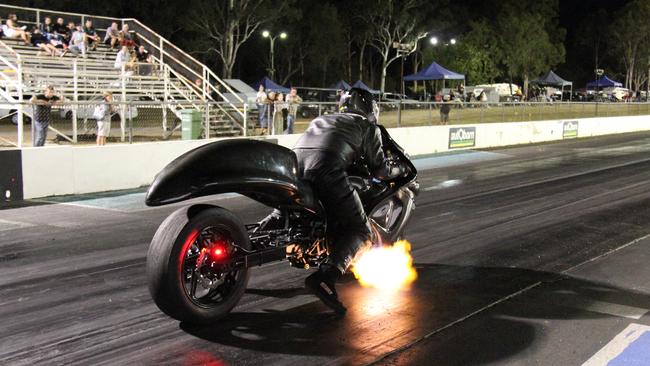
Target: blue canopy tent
[270,85]
[603,82]
[359,84]
[435,72]
[341,85]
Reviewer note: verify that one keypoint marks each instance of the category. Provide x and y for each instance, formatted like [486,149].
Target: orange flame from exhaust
[387,268]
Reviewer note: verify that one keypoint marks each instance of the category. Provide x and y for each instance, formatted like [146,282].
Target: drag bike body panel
[267,173]
[260,170]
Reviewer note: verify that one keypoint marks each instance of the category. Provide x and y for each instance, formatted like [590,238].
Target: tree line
[496,41]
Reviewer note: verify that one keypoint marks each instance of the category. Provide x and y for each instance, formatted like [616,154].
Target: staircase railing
[183,63]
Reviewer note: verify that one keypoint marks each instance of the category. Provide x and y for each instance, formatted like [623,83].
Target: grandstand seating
[85,79]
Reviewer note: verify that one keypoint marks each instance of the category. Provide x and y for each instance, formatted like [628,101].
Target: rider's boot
[322,284]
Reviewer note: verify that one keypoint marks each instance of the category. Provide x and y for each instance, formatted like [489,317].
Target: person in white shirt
[78,42]
[262,106]
[123,58]
[103,116]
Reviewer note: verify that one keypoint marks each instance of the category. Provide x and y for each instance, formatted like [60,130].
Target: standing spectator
[341,99]
[103,114]
[270,103]
[278,117]
[92,38]
[293,102]
[78,42]
[11,29]
[112,36]
[216,91]
[125,36]
[144,61]
[39,40]
[445,108]
[260,100]
[198,86]
[42,114]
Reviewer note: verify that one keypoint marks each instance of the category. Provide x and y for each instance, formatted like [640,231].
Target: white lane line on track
[617,345]
[10,225]
[497,302]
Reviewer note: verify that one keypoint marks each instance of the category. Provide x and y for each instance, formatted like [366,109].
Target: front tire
[176,285]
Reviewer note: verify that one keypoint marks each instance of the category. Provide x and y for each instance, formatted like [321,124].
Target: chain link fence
[141,121]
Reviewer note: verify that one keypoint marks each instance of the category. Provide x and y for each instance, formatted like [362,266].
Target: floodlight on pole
[452,41]
[433,40]
[267,34]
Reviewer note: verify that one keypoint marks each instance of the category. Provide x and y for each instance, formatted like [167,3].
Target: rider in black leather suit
[325,151]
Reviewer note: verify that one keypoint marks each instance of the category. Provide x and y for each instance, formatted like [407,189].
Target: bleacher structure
[172,82]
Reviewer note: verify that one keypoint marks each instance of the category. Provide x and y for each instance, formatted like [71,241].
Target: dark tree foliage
[328,40]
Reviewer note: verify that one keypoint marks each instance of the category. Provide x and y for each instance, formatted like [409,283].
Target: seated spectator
[72,27]
[43,44]
[59,27]
[112,36]
[61,32]
[126,38]
[78,42]
[47,28]
[123,59]
[92,38]
[11,29]
[144,61]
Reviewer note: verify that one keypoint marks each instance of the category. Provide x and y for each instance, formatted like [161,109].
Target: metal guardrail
[138,121]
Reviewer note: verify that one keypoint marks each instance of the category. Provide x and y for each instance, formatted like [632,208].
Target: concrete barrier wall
[60,170]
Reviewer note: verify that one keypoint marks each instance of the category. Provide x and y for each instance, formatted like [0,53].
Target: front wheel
[189,267]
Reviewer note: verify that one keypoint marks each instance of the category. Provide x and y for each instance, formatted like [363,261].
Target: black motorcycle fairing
[260,170]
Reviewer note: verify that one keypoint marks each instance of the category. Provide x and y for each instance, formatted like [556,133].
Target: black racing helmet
[360,101]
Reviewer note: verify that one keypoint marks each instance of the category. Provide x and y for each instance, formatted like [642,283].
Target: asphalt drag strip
[526,255]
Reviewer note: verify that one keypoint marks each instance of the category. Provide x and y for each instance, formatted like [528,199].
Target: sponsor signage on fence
[570,129]
[462,137]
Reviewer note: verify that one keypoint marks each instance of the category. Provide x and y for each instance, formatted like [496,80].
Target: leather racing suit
[325,151]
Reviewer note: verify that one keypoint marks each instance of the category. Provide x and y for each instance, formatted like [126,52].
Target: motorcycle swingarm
[261,257]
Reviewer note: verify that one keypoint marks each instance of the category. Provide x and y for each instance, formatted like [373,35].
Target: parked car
[616,94]
[390,101]
[9,113]
[323,100]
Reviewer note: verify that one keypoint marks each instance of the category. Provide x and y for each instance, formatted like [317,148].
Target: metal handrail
[58,12]
[204,68]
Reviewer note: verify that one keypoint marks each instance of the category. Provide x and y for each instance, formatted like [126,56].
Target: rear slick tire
[167,274]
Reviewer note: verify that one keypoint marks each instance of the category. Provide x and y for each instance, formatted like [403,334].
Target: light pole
[267,34]
[434,41]
[599,73]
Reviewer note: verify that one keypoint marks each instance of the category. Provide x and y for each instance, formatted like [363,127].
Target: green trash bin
[191,124]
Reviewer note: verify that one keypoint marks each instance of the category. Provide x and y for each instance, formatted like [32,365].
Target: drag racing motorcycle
[199,259]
